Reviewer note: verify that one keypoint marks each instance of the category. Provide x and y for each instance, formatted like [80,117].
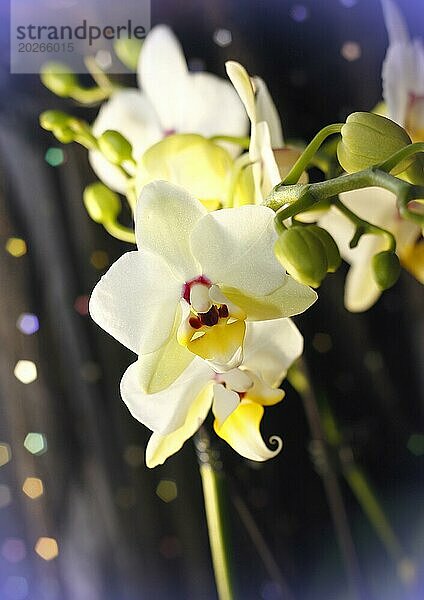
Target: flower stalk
[213,499]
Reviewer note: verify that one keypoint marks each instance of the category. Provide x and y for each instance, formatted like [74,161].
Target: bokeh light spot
[5,495]
[15,588]
[222,37]
[167,490]
[36,443]
[351,51]
[54,157]
[81,305]
[299,13]
[33,487]
[5,453]
[99,259]
[25,371]
[104,59]
[47,548]
[134,455]
[13,550]
[28,323]
[322,342]
[416,444]
[16,247]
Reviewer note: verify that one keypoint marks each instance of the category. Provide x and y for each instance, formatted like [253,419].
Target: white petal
[162,74]
[203,108]
[224,403]
[361,290]
[235,248]
[266,111]
[161,447]
[108,173]
[236,380]
[397,74]
[167,410]
[130,112]
[165,217]
[241,81]
[395,23]
[136,300]
[268,171]
[270,348]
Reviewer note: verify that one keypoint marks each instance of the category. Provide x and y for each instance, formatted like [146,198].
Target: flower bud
[114,146]
[128,52]
[59,79]
[331,249]
[101,203]
[52,119]
[386,269]
[302,254]
[369,139]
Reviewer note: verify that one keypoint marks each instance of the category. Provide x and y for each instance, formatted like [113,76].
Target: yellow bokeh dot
[167,490]
[16,247]
[47,548]
[5,454]
[25,371]
[99,259]
[33,487]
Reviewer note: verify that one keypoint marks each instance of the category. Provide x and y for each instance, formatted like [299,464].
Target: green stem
[299,379]
[363,226]
[400,156]
[213,498]
[302,197]
[306,157]
[120,232]
[244,142]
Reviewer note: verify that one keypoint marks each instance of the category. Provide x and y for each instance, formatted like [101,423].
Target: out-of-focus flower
[270,160]
[170,100]
[237,397]
[403,74]
[194,281]
[379,207]
[197,164]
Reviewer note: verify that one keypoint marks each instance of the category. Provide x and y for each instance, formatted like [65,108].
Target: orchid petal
[225,401]
[263,394]
[239,249]
[165,217]
[270,348]
[135,301]
[266,111]
[241,430]
[164,411]
[395,23]
[291,298]
[220,345]
[162,75]
[160,447]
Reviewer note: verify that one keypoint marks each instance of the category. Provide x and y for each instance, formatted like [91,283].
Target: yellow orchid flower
[193,283]
[199,165]
[237,397]
[170,99]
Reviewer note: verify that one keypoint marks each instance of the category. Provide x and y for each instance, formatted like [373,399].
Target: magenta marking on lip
[168,132]
[185,293]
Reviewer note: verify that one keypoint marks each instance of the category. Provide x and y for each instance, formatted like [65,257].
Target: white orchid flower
[270,159]
[379,207]
[171,99]
[237,397]
[194,281]
[403,74]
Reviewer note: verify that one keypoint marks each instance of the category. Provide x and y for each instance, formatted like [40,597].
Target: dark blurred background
[128,533]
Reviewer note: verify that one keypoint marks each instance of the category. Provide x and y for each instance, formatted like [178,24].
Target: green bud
[59,79]
[64,134]
[386,269]
[302,254]
[101,203]
[331,249]
[128,52]
[115,147]
[52,119]
[369,139]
